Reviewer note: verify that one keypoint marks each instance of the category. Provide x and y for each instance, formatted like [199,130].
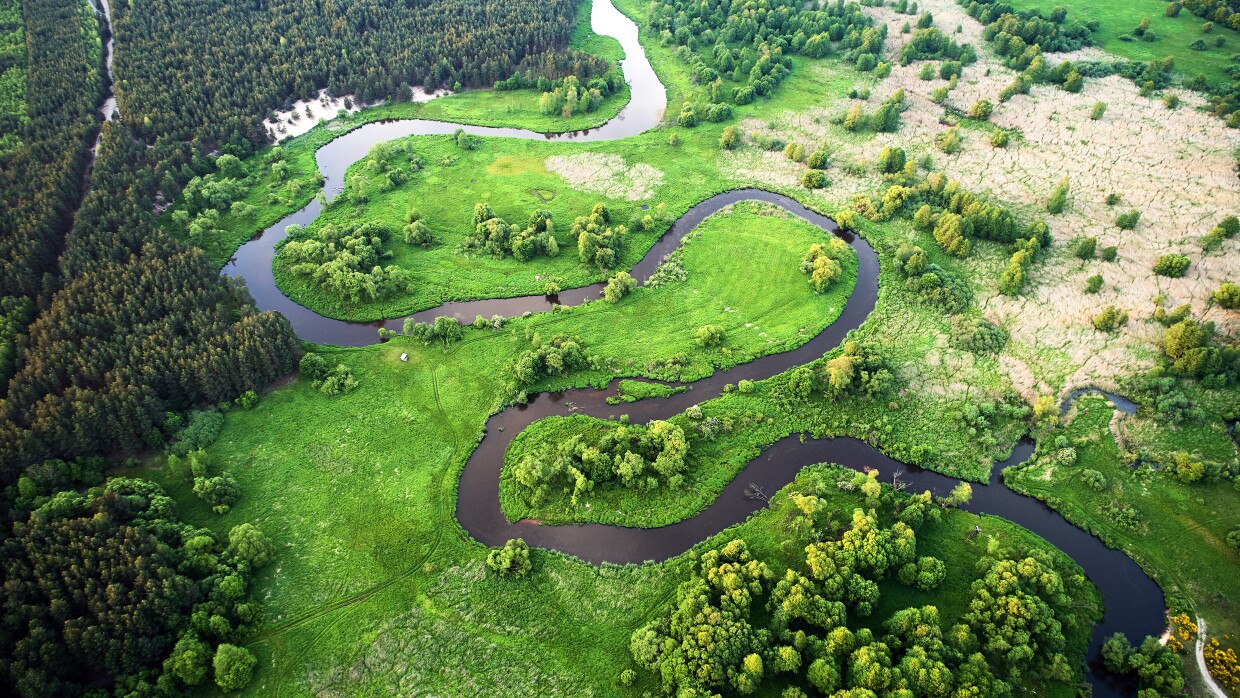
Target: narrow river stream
[1134,603]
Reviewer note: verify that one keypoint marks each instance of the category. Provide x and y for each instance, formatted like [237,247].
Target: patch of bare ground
[1175,166]
[607,174]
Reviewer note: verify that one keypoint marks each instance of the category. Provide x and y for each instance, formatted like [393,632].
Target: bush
[999,139]
[813,179]
[1094,480]
[1109,253]
[1110,319]
[730,138]
[1059,198]
[512,560]
[981,109]
[948,141]
[1112,199]
[891,160]
[1228,296]
[1083,247]
[710,335]
[1172,265]
[618,287]
[1099,109]
[1128,221]
[234,667]
[977,334]
[1093,284]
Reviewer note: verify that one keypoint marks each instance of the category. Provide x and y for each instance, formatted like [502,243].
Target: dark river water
[1134,603]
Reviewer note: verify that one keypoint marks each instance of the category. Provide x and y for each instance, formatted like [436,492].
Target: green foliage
[344,261]
[493,235]
[108,584]
[510,560]
[234,667]
[618,286]
[1159,670]
[1128,221]
[597,242]
[1172,265]
[631,456]
[730,138]
[1093,284]
[1083,247]
[981,109]
[813,179]
[822,263]
[553,358]
[709,335]
[891,160]
[977,334]
[948,141]
[1059,198]
[999,139]
[1097,111]
[1110,319]
[931,283]
[1227,296]
[857,369]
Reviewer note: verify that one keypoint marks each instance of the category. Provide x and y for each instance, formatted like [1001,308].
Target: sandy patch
[607,174]
[310,112]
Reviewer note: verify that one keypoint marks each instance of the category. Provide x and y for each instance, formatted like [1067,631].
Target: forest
[213,70]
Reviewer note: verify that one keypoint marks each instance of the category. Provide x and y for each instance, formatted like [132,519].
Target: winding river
[1134,603]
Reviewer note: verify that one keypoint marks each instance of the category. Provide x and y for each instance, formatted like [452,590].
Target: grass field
[1174,34]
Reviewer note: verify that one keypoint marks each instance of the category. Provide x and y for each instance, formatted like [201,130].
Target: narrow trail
[1211,685]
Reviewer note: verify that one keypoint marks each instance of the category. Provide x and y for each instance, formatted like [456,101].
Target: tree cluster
[493,235]
[746,42]
[633,456]
[344,260]
[737,627]
[930,282]
[108,586]
[822,263]
[598,242]
[214,69]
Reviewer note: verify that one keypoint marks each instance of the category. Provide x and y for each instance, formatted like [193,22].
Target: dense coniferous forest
[213,68]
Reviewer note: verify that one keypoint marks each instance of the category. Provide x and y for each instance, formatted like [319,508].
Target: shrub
[1109,253]
[1110,319]
[927,71]
[234,667]
[1099,109]
[1172,265]
[1083,247]
[710,335]
[813,179]
[891,160]
[977,334]
[999,139]
[730,138]
[1128,221]
[1113,199]
[618,287]
[1228,296]
[981,109]
[948,141]
[1059,198]
[512,560]
[1093,284]
[1094,480]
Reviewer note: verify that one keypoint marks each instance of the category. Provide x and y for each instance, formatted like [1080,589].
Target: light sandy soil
[324,107]
[607,174]
[1175,166]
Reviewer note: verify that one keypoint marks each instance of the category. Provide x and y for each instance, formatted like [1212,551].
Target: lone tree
[512,560]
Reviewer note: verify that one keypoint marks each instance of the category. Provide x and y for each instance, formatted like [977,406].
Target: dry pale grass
[1175,166]
[607,174]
